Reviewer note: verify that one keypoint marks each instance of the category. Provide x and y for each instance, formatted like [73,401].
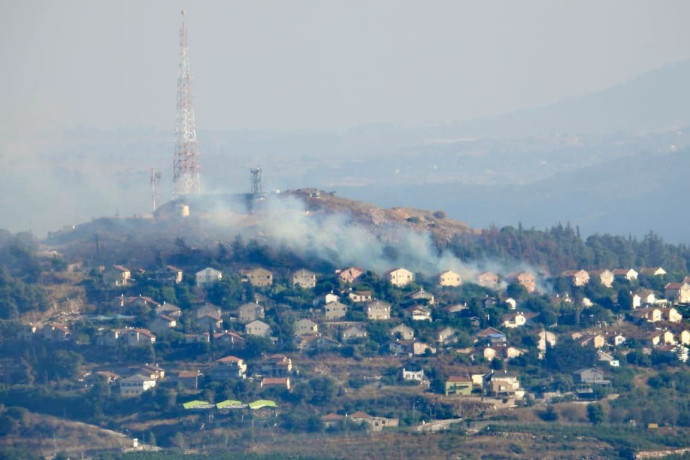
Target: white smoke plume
[285,223]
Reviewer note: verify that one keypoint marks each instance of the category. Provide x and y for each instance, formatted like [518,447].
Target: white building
[208,275]
[136,385]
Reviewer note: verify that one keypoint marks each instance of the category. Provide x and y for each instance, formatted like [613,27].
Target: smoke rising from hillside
[285,223]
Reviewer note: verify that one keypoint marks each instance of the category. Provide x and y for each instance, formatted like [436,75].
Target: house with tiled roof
[449,278]
[276,382]
[349,275]
[403,332]
[305,326]
[170,310]
[515,319]
[445,335]
[378,310]
[135,337]
[303,278]
[326,299]
[459,385]
[421,348]
[492,335]
[162,324]
[456,308]
[189,379]
[136,385]
[604,276]
[207,276]
[504,383]
[331,420]
[399,277]
[656,314]
[250,311]
[590,375]
[488,280]
[524,279]
[627,274]
[643,297]
[421,297]
[576,278]
[652,271]
[117,275]
[589,339]
[229,367]
[354,332]
[335,311]
[418,313]
[258,277]
[209,322]
[358,296]
[167,275]
[276,366]
[229,339]
[258,328]
[677,292]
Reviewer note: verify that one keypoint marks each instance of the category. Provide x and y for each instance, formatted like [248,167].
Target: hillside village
[285,346]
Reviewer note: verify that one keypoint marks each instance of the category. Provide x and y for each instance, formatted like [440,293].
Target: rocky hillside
[441,227]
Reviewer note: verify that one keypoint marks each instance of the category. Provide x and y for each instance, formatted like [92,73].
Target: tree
[625,300]
[549,415]
[595,413]
[567,356]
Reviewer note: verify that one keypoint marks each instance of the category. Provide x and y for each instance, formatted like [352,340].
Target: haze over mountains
[612,161]
[657,100]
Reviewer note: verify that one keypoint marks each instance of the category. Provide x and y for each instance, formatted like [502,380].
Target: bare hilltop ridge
[207,220]
[441,227]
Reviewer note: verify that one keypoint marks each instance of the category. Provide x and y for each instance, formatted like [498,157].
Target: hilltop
[373,217]
[214,219]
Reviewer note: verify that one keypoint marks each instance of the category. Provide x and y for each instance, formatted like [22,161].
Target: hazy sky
[319,64]
[267,65]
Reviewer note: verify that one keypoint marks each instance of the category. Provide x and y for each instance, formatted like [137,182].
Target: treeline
[562,248]
[19,273]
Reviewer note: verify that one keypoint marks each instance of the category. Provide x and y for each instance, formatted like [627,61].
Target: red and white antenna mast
[186,161]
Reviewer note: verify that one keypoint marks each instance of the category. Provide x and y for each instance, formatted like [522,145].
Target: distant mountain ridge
[626,195]
[656,100]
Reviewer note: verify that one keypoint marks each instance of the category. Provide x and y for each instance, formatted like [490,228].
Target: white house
[258,328]
[208,275]
[405,332]
[136,385]
[449,278]
[305,326]
[513,320]
[413,376]
[400,277]
[335,310]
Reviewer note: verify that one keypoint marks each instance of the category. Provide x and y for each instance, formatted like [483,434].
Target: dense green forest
[562,248]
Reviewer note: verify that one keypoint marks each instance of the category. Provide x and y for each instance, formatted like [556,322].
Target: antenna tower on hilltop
[186,161]
[256,181]
[155,188]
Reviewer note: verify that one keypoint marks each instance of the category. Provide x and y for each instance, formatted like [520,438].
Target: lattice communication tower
[256,181]
[155,188]
[186,161]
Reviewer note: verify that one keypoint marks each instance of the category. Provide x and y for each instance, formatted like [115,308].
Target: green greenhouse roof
[261,403]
